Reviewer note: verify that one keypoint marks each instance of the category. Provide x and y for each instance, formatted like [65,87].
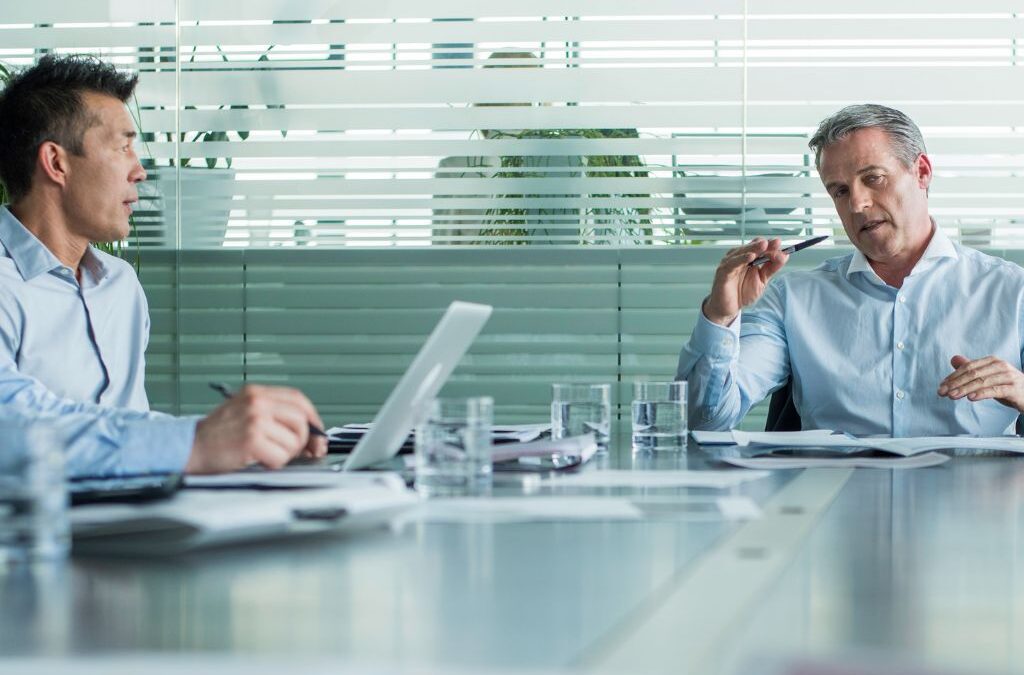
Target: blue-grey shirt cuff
[716,341]
[157,445]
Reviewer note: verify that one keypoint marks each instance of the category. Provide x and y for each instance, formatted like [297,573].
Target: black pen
[790,249]
[224,391]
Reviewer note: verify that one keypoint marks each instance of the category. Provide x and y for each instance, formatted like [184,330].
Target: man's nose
[860,199]
[138,174]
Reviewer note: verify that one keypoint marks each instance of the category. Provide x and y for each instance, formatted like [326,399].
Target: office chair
[782,414]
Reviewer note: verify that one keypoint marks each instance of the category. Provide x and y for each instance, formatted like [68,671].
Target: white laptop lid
[422,380]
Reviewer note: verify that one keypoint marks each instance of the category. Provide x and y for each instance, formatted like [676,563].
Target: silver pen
[790,249]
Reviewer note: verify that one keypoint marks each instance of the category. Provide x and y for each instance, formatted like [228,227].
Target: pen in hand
[789,249]
[226,392]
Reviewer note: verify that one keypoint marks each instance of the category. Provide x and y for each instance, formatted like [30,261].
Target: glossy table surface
[925,563]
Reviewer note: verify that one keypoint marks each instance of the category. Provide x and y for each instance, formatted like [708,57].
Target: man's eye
[838,193]
[871,179]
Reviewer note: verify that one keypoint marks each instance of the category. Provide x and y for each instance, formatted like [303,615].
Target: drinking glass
[659,416]
[578,409]
[33,497]
[453,447]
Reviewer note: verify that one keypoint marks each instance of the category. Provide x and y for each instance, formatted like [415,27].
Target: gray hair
[907,141]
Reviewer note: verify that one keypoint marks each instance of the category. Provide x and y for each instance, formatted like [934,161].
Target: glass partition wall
[578,164]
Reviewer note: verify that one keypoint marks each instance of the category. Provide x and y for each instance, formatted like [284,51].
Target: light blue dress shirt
[74,353]
[864,357]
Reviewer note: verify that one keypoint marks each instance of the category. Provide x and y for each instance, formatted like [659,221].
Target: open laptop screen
[421,382]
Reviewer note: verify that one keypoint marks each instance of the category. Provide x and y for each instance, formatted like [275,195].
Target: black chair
[782,414]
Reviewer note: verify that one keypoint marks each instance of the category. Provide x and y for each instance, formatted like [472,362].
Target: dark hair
[44,103]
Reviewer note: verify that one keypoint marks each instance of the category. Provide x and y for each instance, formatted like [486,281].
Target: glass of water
[659,416]
[33,496]
[578,409]
[453,448]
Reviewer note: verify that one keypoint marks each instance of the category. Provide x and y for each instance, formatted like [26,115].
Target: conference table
[868,566]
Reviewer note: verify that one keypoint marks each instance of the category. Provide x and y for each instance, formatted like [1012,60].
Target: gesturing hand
[980,379]
[736,284]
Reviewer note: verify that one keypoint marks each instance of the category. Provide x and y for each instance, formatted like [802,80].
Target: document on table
[584,447]
[741,438]
[825,439]
[284,480]
[838,461]
[927,443]
[199,518]
[653,479]
[508,433]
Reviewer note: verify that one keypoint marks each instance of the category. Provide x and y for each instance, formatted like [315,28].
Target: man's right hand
[268,425]
[736,285]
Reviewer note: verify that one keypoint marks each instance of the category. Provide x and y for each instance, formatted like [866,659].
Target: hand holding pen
[760,260]
[743,274]
[258,424]
[226,392]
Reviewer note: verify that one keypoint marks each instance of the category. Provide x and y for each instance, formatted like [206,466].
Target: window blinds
[558,123]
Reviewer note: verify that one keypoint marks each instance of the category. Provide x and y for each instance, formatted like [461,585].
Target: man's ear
[923,168]
[52,163]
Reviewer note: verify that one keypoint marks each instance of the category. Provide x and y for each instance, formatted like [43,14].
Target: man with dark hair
[867,339]
[74,322]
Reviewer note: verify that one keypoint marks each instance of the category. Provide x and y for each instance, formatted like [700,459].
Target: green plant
[626,225]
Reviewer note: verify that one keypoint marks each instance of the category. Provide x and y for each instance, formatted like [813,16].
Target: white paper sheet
[779,438]
[519,433]
[584,446]
[924,444]
[657,479]
[197,518]
[823,438]
[915,462]
[296,479]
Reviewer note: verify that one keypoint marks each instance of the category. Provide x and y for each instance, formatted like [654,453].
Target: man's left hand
[980,379]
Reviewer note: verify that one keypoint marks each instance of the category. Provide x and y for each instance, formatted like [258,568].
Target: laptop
[421,382]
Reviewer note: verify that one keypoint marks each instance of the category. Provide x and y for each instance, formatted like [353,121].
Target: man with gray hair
[909,335]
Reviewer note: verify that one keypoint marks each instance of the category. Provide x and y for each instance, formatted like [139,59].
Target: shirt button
[899,345]
[727,342]
[900,395]
[902,299]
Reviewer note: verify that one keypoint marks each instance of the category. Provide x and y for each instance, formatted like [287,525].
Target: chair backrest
[782,414]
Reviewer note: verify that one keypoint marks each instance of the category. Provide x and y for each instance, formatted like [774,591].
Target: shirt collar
[31,256]
[939,247]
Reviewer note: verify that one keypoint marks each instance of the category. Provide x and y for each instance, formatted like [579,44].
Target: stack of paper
[823,448]
[824,438]
[345,438]
[197,518]
[837,461]
[776,438]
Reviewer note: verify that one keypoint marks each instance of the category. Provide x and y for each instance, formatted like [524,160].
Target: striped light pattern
[407,123]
